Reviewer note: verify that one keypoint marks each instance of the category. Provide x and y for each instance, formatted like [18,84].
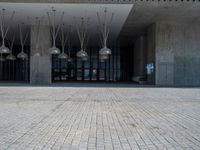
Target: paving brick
[62,118]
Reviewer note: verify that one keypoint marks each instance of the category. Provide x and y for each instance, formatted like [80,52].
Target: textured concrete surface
[177,54]
[176,46]
[40,67]
[99,118]
[145,13]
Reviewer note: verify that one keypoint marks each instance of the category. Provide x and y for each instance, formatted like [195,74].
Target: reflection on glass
[79,74]
[86,74]
[92,69]
[94,74]
[101,74]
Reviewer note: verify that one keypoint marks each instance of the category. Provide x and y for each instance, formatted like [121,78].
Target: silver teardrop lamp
[11,56]
[22,55]
[105,26]
[54,50]
[4,31]
[82,30]
[64,39]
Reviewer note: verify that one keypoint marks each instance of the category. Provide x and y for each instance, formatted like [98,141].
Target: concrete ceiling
[145,13]
[32,10]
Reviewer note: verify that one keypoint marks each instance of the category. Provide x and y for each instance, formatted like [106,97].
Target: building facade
[153,42]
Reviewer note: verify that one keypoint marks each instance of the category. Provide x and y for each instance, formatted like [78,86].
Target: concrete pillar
[164,55]
[40,66]
[140,56]
[177,54]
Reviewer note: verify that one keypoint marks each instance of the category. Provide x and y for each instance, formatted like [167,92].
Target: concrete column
[140,56]
[164,55]
[40,66]
[177,54]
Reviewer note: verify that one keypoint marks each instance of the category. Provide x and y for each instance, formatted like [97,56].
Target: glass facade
[15,70]
[90,70]
[119,67]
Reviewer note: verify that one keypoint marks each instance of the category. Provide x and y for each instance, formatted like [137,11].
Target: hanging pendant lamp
[54,50]
[105,51]
[11,56]
[82,34]
[102,57]
[81,54]
[64,39]
[22,55]
[4,49]
[85,58]
[62,56]
[4,31]
[105,26]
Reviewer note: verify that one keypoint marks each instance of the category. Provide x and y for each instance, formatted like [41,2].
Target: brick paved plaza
[63,117]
